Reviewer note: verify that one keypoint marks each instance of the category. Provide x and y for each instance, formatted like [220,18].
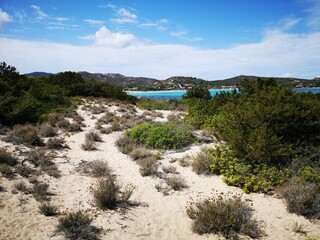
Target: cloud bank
[277,54]
[4,18]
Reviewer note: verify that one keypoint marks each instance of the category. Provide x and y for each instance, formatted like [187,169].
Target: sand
[156,217]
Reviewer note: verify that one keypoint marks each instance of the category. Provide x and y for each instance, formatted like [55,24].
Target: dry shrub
[24,134]
[89,146]
[48,209]
[169,169]
[6,171]
[108,194]
[98,109]
[171,117]
[228,216]
[7,157]
[100,168]
[201,163]
[185,162]
[40,191]
[93,136]
[176,182]
[54,118]
[139,153]
[63,123]
[74,127]
[25,171]
[22,187]
[76,226]
[148,166]
[55,143]
[125,144]
[302,198]
[46,130]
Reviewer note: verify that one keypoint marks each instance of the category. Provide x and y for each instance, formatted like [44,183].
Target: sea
[178,94]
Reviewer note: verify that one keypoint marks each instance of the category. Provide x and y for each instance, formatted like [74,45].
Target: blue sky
[210,39]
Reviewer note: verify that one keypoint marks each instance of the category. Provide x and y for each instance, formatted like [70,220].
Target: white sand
[158,216]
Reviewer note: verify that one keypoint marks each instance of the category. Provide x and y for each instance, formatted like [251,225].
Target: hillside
[180,82]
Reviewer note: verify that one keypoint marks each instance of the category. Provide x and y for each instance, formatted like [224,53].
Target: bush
[168,135]
[139,153]
[302,198]
[55,143]
[222,215]
[108,195]
[201,163]
[6,171]
[93,136]
[48,209]
[46,130]
[176,182]
[148,166]
[25,134]
[24,171]
[125,144]
[74,127]
[22,187]
[89,146]
[169,169]
[40,191]
[77,225]
[7,158]
[100,168]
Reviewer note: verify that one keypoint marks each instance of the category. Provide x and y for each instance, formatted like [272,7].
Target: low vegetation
[48,209]
[228,216]
[169,135]
[77,225]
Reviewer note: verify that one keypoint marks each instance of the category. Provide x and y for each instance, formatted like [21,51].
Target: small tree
[198,92]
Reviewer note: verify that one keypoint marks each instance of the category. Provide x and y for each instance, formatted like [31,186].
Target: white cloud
[182,35]
[124,16]
[40,14]
[94,21]
[4,18]
[288,22]
[104,37]
[62,19]
[159,24]
[277,53]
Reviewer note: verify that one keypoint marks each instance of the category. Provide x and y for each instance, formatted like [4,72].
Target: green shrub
[222,215]
[108,195]
[77,225]
[302,198]
[48,209]
[169,135]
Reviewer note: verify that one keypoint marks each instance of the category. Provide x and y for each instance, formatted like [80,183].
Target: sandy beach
[157,216]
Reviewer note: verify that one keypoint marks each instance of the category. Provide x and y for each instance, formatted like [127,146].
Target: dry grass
[148,166]
[99,168]
[93,136]
[228,216]
[56,143]
[48,209]
[169,169]
[176,182]
[201,163]
[89,146]
[24,134]
[139,153]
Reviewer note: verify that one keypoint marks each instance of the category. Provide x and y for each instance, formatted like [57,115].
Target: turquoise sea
[179,94]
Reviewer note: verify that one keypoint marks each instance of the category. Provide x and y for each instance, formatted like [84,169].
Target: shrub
[222,215]
[7,158]
[25,134]
[55,143]
[63,123]
[24,171]
[169,169]
[46,130]
[6,170]
[162,135]
[48,209]
[148,166]
[93,136]
[125,144]
[74,127]
[100,168]
[201,163]
[107,193]
[173,117]
[52,171]
[89,146]
[77,225]
[40,191]
[176,182]
[302,198]
[39,158]
[54,118]
[22,187]
[139,153]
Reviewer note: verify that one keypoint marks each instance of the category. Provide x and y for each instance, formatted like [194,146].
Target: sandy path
[158,216]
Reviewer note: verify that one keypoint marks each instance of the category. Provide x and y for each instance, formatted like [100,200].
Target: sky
[208,39]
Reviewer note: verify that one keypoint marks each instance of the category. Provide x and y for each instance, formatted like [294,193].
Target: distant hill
[38,74]
[180,82]
[124,81]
